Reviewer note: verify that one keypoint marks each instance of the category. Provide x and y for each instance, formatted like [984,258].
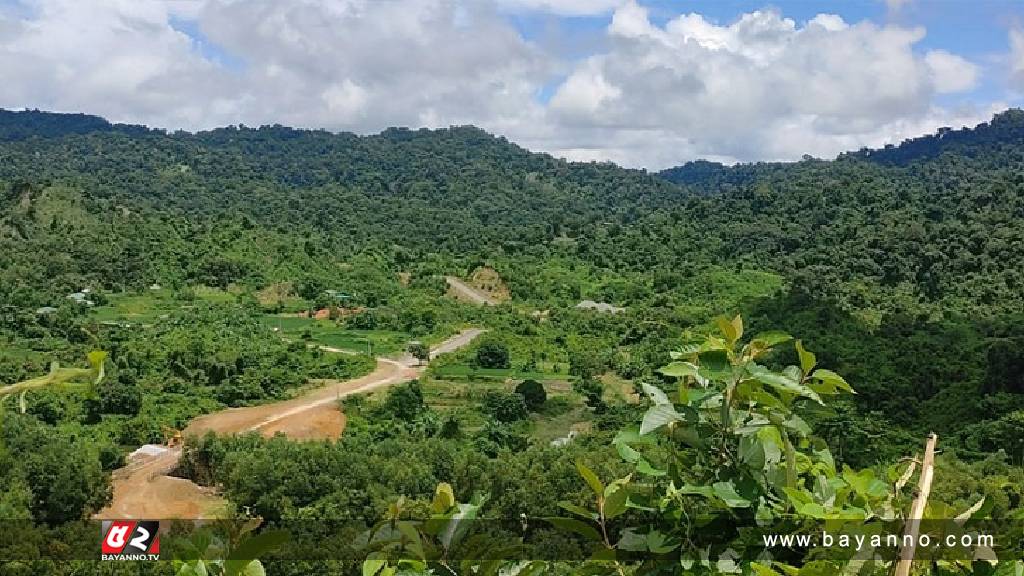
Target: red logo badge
[130,540]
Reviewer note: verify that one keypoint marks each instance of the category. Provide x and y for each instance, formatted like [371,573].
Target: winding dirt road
[143,489]
[465,292]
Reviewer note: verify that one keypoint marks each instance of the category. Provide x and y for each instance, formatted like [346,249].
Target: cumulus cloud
[951,73]
[341,64]
[562,7]
[653,95]
[762,87]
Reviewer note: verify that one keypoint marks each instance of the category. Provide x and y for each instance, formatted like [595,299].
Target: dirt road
[464,291]
[143,489]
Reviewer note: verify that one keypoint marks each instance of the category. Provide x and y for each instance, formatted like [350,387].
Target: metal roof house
[81,298]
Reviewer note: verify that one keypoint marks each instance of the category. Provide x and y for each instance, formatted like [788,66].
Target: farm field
[152,305]
[329,333]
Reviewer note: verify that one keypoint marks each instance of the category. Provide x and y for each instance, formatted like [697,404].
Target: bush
[120,397]
[450,428]
[533,393]
[505,406]
[494,436]
[492,354]
[592,391]
[405,402]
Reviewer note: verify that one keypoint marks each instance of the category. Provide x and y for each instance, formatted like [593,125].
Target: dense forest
[194,259]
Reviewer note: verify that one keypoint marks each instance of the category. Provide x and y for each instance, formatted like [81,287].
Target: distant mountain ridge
[20,125]
[934,224]
[1005,128]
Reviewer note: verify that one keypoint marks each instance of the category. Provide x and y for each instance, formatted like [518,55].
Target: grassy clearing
[145,307]
[467,372]
[328,333]
[563,410]
[461,399]
[546,427]
[149,306]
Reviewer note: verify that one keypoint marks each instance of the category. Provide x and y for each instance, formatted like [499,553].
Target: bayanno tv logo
[130,540]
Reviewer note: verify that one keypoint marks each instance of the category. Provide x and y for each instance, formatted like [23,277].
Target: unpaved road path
[143,489]
[464,291]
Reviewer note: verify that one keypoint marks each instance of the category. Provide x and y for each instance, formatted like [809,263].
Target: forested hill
[1006,130]
[125,207]
[34,123]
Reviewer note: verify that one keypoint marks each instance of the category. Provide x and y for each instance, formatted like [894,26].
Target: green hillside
[196,259]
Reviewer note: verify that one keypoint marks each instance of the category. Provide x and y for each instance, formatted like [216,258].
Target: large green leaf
[577,526]
[615,502]
[658,416]
[579,510]
[782,382]
[632,541]
[592,480]
[659,543]
[832,379]
[627,452]
[657,395]
[679,369]
[807,359]
[771,338]
[731,329]
[751,452]
[644,467]
[705,491]
[254,568]
[444,498]
[715,365]
[726,492]
[372,567]
[865,483]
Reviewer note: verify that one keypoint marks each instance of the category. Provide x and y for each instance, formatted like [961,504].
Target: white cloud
[586,91]
[120,58]
[951,73]
[341,64]
[762,87]
[654,94]
[562,7]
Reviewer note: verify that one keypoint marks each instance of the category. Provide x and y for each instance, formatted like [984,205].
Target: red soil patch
[322,423]
[142,489]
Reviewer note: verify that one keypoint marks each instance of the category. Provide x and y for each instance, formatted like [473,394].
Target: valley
[325,334]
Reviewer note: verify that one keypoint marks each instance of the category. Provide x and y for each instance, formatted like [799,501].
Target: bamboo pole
[913,529]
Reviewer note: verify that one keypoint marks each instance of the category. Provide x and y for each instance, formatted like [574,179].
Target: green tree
[533,393]
[492,354]
[405,402]
[117,397]
[419,351]
[505,406]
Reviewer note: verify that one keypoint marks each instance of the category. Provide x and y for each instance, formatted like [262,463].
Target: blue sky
[976,30]
[646,83]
